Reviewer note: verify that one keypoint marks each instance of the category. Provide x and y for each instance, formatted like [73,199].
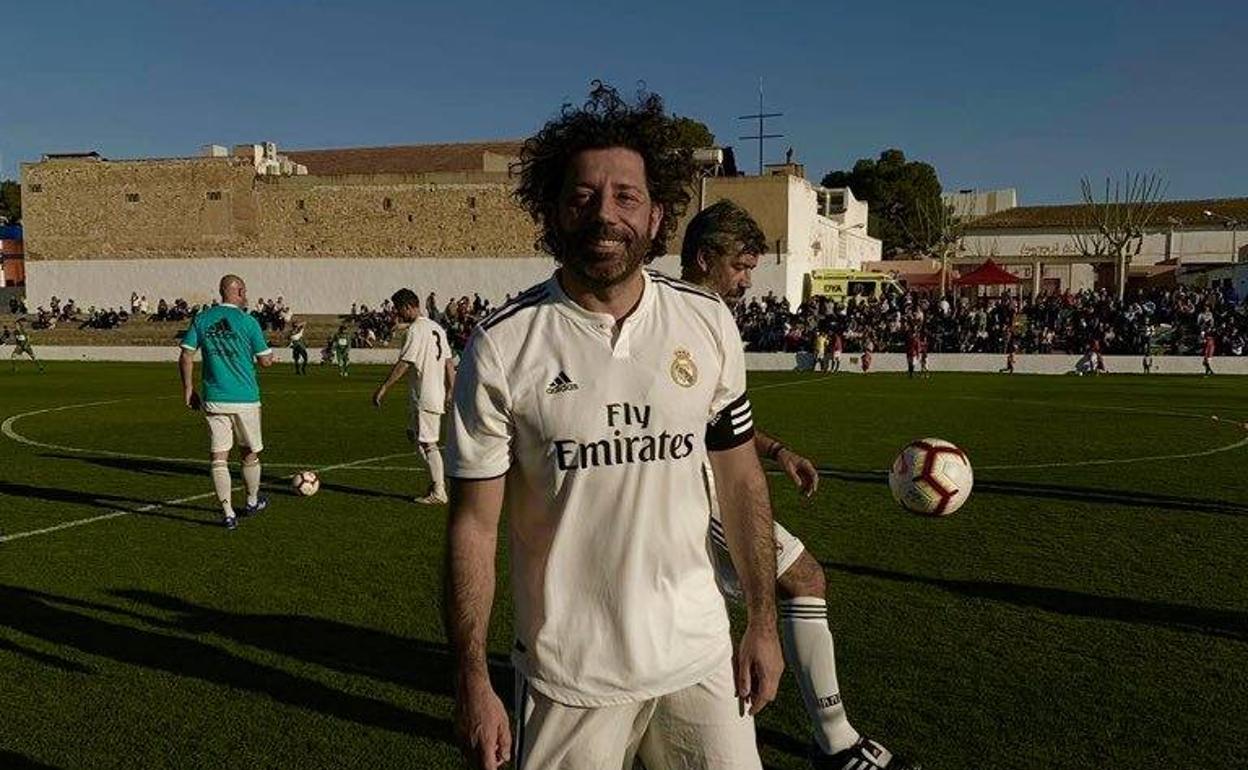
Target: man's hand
[378,395]
[192,400]
[481,724]
[800,470]
[758,666]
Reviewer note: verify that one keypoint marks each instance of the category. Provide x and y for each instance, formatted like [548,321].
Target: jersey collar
[602,321]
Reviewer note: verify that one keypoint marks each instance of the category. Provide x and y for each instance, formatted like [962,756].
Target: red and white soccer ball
[931,477]
[305,483]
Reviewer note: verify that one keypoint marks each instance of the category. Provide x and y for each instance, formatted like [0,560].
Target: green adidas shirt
[229,339]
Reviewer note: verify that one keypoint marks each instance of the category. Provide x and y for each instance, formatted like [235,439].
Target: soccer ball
[931,477]
[305,483]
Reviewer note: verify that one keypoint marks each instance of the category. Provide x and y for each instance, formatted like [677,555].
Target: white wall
[1212,245]
[883,362]
[307,285]
[988,362]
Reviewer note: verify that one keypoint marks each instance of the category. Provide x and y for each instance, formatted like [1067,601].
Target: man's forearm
[396,373]
[186,368]
[766,445]
[746,513]
[469,593]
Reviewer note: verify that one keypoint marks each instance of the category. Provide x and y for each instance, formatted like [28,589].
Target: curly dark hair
[606,120]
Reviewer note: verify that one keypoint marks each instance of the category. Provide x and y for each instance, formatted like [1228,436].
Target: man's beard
[597,270]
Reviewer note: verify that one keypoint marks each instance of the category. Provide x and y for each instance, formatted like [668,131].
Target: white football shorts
[241,428]
[423,425]
[700,726]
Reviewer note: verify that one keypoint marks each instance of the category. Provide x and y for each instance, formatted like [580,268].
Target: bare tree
[1113,226]
[938,231]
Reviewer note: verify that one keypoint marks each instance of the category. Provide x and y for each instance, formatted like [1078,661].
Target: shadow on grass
[105,501]
[11,760]
[1130,498]
[44,658]
[149,467]
[61,621]
[273,484]
[418,664]
[1228,624]
[413,663]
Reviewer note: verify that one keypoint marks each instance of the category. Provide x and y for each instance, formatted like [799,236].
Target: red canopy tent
[988,274]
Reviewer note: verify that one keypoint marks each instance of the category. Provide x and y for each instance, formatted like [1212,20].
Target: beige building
[1037,243]
[325,228]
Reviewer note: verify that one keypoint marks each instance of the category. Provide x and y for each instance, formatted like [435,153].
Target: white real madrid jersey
[426,349]
[603,442]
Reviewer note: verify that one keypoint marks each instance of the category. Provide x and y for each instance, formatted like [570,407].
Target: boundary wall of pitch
[1055,363]
[1050,363]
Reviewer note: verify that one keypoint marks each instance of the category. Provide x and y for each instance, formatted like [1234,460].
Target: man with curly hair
[589,405]
[720,251]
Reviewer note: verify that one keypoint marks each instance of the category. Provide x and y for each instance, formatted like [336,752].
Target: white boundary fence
[1056,363]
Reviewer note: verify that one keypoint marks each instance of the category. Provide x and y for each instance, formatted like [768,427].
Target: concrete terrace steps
[141,332]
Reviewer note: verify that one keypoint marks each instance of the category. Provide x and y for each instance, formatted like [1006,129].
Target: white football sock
[251,478]
[809,654]
[433,458]
[221,484]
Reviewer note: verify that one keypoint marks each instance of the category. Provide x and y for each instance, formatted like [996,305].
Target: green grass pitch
[1088,607]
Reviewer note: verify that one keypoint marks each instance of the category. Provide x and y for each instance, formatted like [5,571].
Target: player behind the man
[912,352]
[868,350]
[341,344]
[821,351]
[838,347]
[298,348]
[231,343]
[589,404]
[21,346]
[1206,351]
[423,358]
[721,248]
[1011,349]
[923,346]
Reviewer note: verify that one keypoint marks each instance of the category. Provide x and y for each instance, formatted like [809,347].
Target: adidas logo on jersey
[561,384]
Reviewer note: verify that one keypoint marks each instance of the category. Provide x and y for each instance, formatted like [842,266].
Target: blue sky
[1029,95]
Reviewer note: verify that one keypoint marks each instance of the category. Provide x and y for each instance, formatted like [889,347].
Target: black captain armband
[731,427]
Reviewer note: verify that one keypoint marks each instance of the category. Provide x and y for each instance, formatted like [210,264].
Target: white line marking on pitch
[178,501]
[8,430]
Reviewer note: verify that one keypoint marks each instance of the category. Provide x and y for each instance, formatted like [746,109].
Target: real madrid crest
[684,370]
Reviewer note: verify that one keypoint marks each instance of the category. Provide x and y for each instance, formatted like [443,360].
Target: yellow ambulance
[839,284]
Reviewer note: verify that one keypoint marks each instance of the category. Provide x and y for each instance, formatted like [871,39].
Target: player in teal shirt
[231,342]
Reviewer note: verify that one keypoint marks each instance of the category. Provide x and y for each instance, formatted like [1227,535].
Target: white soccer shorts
[699,728]
[424,426]
[788,549]
[241,428]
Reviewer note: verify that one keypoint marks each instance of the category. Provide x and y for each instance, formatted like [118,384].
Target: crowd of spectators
[273,314]
[373,326]
[1163,321]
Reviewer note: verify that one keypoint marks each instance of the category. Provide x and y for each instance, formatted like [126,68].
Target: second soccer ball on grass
[305,483]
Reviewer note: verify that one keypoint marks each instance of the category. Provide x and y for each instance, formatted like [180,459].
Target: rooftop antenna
[761,117]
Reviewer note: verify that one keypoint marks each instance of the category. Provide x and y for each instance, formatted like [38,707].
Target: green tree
[900,194]
[11,201]
[694,133]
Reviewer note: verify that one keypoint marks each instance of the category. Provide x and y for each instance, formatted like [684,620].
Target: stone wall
[85,209]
